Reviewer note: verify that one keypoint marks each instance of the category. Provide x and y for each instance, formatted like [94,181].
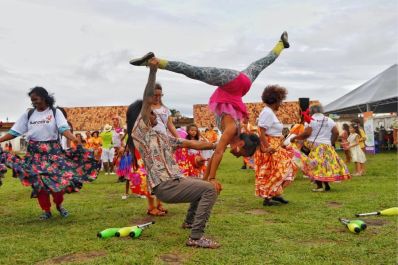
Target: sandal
[160,208]
[202,242]
[155,212]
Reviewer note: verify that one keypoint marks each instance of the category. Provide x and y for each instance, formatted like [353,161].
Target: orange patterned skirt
[273,171]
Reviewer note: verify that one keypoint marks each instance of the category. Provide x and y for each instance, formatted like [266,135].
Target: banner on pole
[369,131]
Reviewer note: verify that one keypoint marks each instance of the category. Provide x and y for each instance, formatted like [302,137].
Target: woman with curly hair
[226,101]
[275,168]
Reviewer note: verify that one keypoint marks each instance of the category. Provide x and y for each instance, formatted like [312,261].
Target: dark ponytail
[252,141]
[131,117]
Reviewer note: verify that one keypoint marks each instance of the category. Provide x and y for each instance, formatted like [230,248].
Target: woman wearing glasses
[163,115]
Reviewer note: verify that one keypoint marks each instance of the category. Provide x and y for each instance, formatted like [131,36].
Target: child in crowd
[357,155]
[191,161]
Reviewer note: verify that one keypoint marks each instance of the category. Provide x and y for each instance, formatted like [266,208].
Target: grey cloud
[99,66]
[342,45]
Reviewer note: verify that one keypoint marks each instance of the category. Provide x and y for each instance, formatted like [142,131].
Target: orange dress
[212,136]
[95,143]
[274,171]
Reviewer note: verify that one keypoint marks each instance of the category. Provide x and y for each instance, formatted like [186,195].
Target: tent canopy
[379,94]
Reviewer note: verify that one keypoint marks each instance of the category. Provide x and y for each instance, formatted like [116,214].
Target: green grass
[306,231]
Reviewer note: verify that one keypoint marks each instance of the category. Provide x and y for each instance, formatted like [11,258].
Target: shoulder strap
[54,109]
[312,144]
[54,112]
[30,112]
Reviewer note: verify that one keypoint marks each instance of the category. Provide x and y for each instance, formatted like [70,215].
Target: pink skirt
[227,99]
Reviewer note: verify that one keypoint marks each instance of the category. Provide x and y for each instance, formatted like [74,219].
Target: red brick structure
[94,118]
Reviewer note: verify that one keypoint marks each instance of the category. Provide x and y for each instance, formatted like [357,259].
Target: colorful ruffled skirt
[330,167]
[187,162]
[137,176]
[124,165]
[3,171]
[46,166]
[274,171]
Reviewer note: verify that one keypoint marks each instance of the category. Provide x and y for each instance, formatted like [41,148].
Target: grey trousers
[201,194]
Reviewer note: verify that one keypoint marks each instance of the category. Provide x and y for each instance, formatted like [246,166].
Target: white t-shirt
[41,125]
[270,122]
[117,138]
[162,117]
[325,134]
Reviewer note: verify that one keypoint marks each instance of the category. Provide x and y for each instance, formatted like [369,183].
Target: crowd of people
[165,164]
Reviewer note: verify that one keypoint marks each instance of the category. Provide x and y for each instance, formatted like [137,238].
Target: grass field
[305,231]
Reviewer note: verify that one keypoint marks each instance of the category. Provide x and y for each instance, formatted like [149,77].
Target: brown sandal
[160,208]
[155,212]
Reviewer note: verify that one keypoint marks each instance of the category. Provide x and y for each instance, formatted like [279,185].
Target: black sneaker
[63,212]
[280,199]
[268,202]
[244,167]
[45,216]
[143,61]
[33,194]
[285,40]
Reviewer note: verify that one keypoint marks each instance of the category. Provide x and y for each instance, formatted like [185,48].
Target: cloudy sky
[79,50]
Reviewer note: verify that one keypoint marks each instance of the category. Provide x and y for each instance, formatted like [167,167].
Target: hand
[268,150]
[199,161]
[77,141]
[121,151]
[153,63]
[262,148]
[217,185]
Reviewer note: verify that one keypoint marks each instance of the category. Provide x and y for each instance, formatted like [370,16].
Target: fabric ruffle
[46,166]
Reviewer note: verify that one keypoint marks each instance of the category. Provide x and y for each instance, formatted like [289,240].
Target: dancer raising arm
[226,102]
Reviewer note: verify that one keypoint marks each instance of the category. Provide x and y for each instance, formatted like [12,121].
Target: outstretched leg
[216,76]
[209,75]
[254,69]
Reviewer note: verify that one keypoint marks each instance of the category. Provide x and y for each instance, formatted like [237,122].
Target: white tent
[379,94]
